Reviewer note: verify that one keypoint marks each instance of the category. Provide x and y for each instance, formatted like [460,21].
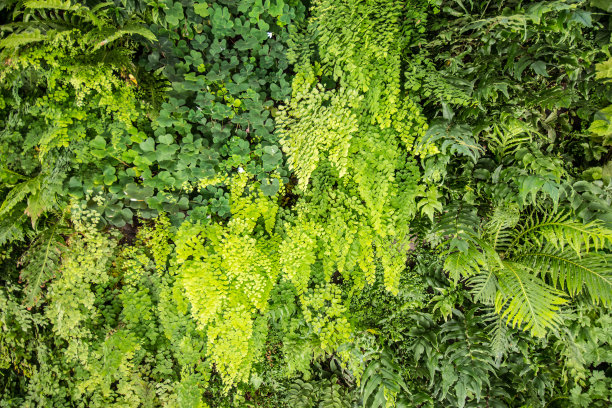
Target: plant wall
[327,203]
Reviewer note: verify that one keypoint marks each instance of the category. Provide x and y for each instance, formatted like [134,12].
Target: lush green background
[249,203]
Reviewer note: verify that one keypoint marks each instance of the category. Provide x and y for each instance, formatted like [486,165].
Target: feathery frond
[559,230]
[525,300]
[41,261]
[592,271]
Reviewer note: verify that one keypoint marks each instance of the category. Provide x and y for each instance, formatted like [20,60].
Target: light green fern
[527,267]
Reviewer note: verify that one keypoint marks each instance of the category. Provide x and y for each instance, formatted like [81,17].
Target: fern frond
[464,264]
[460,223]
[510,134]
[17,40]
[65,5]
[332,395]
[526,301]
[18,193]
[499,226]
[559,230]
[457,139]
[592,272]
[499,336]
[11,225]
[381,379]
[41,261]
[301,394]
[102,37]
[484,287]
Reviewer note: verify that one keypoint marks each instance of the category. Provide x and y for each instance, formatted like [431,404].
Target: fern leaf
[65,5]
[457,139]
[16,40]
[11,225]
[526,301]
[460,223]
[464,264]
[499,226]
[381,379]
[499,336]
[301,394]
[507,136]
[559,230]
[103,37]
[592,271]
[18,193]
[41,261]
[484,287]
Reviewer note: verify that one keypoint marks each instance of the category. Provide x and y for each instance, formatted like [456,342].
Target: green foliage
[382,203]
[228,278]
[45,20]
[40,262]
[509,266]
[348,135]
[381,382]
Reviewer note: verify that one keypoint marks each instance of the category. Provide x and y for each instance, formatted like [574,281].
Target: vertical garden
[305,204]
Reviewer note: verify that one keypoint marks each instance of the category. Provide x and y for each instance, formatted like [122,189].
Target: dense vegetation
[328,203]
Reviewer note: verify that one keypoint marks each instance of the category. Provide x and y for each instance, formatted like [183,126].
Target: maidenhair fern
[71,297]
[349,137]
[228,272]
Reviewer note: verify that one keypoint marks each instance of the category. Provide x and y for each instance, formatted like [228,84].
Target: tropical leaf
[18,193]
[484,287]
[509,134]
[11,225]
[499,226]
[465,264]
[458,139]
